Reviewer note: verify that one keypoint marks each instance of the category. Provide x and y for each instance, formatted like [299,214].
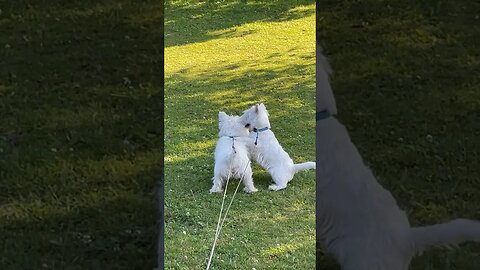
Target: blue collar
[260,129]
[322,115]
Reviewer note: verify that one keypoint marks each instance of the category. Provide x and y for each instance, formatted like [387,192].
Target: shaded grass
[407,85]
[80,134]
[269,60]
[200,21]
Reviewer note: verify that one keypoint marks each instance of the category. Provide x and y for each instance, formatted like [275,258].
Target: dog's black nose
[247,125]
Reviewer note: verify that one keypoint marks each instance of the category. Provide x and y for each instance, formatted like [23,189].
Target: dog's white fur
[268,152]
[232,158]
[358,221]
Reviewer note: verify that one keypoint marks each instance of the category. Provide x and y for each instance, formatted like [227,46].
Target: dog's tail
[447,234]
[304,166]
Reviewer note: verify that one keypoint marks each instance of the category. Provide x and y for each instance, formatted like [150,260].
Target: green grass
[226,56]
[80,133]
[407,76]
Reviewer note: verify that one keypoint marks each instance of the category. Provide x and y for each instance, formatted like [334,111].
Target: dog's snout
[247,125]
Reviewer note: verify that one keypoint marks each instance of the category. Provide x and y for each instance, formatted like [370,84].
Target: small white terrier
[232,158]
[358,221]
[267,151]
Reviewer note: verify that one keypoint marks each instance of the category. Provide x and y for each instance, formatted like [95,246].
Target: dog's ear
[244,120]
[256,108]
[222,116]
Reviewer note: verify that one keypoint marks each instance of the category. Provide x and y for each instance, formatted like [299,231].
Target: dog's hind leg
[247,179]
[280,183]
[281,177]
[276,187]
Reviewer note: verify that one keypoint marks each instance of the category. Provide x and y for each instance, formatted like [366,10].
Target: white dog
[358,221]
[267,151]
[232,158]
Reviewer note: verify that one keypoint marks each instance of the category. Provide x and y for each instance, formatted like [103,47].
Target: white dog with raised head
[267,151]
[358,221]
[232,159]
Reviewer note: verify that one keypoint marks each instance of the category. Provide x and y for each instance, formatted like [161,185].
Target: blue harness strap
[233,143]
[322,115]
[259,130]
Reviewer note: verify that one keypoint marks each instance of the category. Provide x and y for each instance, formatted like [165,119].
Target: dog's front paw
[275,187]
[250,190]
[216,189]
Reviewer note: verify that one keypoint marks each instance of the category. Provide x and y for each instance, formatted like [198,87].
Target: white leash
[220,225]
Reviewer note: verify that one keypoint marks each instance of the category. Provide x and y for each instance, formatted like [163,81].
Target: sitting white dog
[358,221]
[232,158]
[267,151]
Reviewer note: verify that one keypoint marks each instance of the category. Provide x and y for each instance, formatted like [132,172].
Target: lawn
[407,83]
[226,56]
[80,133]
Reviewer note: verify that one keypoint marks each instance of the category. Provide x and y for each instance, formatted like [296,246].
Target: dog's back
[231,155]
[268,152]
[359,221]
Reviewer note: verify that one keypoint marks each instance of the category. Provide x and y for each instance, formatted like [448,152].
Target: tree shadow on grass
[188,22]
[82,112]
[78,221]
[393,86]
[106,233]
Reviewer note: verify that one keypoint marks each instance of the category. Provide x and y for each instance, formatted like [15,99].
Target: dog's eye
[247,125]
